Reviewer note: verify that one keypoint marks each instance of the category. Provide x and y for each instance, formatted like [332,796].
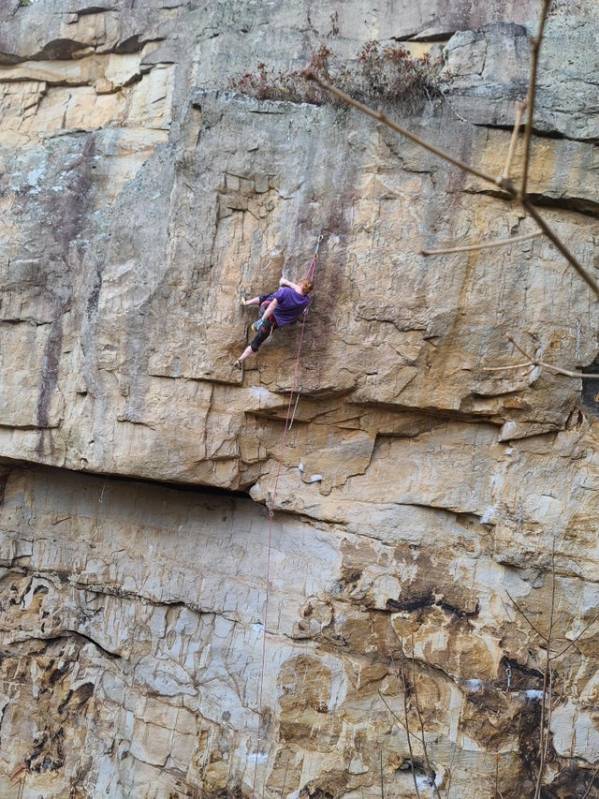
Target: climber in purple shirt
[282,307]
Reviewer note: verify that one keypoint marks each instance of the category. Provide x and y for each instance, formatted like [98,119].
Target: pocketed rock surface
[425,525]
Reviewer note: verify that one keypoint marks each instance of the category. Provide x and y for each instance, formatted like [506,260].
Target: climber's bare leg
[265,328]
[244,355]
[253,301]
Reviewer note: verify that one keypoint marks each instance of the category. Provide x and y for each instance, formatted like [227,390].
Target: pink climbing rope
[289,417]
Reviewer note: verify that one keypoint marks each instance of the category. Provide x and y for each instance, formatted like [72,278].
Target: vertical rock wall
[428,514]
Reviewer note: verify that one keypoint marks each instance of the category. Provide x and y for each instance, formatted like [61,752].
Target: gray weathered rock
[488,71]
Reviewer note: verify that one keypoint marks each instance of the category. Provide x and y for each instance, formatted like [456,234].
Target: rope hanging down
[289,417]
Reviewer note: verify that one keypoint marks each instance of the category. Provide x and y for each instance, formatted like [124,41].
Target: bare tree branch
[532,361]
[483,245]
[503,183]
[406,727]
[429,767]
[381,117]
[496,775]
[522,351]
[506,368]
[547,681]
[577,638]
[532,93]
[18,774]
[508,163]
[506,185]
[588,790]
[525,617]
[554,239]
[549,708]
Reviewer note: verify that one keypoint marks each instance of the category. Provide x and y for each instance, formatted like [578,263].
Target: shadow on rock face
[590,389]
[570,782]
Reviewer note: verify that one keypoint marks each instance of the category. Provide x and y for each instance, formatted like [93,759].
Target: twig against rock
[589,789]
[532,93]
[525,617]
[381,117]
[483,245]
[528,364]
[406,725]
[19,773]
[554,239]
[556,369]
[508,162]
[547,686]
[496,775]
[534,362]
[510,192]
[429,767]
[577,638]
[521,350]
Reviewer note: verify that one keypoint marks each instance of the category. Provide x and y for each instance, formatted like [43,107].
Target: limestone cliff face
[427,514]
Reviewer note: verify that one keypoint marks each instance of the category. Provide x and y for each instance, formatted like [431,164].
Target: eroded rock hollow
[195,605]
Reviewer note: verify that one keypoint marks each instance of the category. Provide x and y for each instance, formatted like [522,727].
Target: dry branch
[451,764]
[18,774]
[406,726]
[381,117]
[547,682]
[577,638]
[548,675]
[532,93]
[525,617]
[429,767]
[496,775]
[508,163]
[533,362]
[483,245]
[555,240]
[506,368]
[505,184]
[589,789]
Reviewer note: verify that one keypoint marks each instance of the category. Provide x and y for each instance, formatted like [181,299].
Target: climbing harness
[289,418]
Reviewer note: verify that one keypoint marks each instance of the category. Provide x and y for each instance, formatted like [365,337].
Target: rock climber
[282,307]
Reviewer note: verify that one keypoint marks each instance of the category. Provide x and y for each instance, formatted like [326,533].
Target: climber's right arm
[284,282]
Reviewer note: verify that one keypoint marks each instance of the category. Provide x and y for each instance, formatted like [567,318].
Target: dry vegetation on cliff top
[377,73]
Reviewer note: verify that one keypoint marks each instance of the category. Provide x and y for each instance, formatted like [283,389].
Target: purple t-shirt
[290,305]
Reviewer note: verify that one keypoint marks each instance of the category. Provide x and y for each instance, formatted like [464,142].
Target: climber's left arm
[270,310]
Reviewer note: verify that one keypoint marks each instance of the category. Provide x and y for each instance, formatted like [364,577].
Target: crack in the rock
[580,205]
[428,600]
[66,577]
[66,634]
